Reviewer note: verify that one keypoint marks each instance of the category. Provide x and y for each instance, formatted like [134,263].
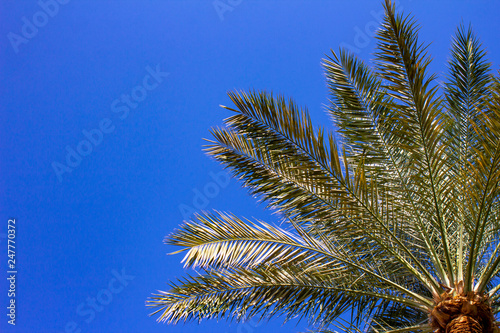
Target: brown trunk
[463,324]
[462,313]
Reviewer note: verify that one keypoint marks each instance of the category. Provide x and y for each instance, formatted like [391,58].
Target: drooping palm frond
[390,222]
[270,260]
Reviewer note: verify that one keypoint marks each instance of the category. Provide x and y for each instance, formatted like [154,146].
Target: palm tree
[396,219]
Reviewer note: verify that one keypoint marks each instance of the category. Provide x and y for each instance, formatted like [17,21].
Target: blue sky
[103,111]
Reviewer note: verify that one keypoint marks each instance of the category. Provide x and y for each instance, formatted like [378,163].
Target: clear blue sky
[92,226]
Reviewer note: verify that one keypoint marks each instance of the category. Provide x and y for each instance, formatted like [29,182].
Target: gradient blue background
[114,209]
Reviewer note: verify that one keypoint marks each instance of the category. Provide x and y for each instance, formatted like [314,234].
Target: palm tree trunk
[464,324]
[462,313]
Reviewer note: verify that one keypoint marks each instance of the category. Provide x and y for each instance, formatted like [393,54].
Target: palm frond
[240,293]
[279,164]
[416,120]
[359,109]
[222,241]
[466,92]
[485,172]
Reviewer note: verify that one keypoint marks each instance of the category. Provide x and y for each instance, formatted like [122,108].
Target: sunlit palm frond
[287,290]
[359,109]
[416,120]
